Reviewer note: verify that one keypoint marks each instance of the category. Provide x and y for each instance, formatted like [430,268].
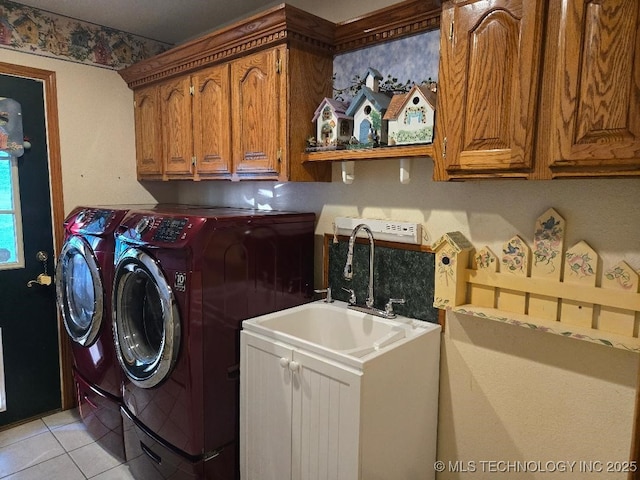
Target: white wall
[507,393]
[97,143]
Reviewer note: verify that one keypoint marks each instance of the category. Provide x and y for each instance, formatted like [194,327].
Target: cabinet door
[265,409]
[258,104]
[326,419]
[212,121]
[177,143]
[595,111]
[489,68]
[147,125]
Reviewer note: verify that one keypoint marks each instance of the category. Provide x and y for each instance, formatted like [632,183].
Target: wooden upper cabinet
[212,122]
[238,102]
[488,88]
[592,109]
[147,124]
[195,125]
[177,127]
[258,105]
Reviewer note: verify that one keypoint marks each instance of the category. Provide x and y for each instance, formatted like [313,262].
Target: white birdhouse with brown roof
[411,116]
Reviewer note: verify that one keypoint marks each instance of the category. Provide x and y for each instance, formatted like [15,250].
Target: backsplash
[398,273]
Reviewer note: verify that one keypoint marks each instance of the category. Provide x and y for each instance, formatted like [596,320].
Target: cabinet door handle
[294,366]
[290,364]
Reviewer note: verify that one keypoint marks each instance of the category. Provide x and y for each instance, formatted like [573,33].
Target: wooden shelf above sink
[379,153]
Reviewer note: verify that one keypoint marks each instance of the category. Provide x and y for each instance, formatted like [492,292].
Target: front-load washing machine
[183,284]
[84,274]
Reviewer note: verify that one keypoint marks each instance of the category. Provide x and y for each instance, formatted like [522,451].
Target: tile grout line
[23,438]
[35,464]
[66,452]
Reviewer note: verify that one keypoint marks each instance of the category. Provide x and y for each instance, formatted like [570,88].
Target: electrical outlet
[391,230]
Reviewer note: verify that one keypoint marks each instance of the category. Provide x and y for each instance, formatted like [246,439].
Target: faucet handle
[328,298]
[352,295]
[389,306]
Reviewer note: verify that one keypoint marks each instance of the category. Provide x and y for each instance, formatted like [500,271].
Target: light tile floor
[56,447]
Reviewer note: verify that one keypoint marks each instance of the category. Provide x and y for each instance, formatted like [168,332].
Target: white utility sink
[334,328]
[326,388]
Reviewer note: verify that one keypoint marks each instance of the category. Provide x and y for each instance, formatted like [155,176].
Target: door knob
[43,278]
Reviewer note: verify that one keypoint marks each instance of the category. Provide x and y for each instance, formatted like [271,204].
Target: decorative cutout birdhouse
[411,116]
[367,109]
[452,258]
[333,127]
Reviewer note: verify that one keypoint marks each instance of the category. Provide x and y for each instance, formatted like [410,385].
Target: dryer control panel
[152,229]
[170,230]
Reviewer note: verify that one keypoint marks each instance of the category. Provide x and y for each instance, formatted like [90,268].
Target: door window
[11,247]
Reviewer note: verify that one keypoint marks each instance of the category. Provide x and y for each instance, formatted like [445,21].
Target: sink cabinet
[306,416]
[299,413]
[514,103]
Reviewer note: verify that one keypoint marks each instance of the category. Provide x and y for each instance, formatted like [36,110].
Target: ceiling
[174,21]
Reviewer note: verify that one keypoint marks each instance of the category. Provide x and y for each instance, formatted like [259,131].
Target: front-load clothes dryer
[84,275]
[183,284]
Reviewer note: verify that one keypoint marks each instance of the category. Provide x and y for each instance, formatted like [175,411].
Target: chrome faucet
[348,275]
[348,267]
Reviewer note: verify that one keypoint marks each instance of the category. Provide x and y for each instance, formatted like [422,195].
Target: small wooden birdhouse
[411,116]
[452,258]
[367,110]
[333,126]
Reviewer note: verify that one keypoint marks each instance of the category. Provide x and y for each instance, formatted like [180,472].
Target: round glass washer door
[79,291]
[146,323]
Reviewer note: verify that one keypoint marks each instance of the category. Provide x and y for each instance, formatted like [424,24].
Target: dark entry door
[28,317]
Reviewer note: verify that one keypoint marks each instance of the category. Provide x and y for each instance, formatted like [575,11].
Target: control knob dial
[143,225]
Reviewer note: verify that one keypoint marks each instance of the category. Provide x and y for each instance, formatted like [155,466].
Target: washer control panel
[93,221]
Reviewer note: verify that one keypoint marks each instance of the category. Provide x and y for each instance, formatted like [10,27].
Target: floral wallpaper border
[30,30]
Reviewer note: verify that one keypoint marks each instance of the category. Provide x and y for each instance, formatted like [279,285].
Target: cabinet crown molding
[287,24]
[281,24]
